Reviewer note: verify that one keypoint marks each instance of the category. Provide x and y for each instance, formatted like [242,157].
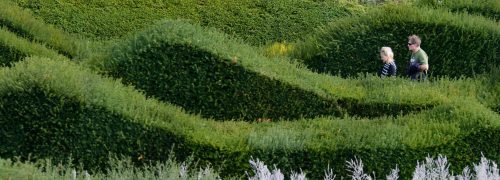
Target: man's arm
[424,67]
[424,61]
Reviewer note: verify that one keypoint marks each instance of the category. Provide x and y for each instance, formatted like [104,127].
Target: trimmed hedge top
[457,44]
[14,48]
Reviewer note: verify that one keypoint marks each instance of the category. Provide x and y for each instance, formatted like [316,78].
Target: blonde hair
[414,39]
[387,51]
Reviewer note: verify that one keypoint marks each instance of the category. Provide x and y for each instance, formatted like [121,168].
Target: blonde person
[419,61]
[387,57]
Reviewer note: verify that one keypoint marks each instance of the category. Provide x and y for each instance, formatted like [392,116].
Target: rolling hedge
[457,44]
[24,24]
[204,71]
[14,48]
[487,8]
[257,22]
[57,109]
[54,109]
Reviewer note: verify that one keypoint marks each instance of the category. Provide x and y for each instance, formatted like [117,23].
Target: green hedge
[457,44]
[257,22]
[490,95]
[46,112]
[56,108]
[9,55]
[14,48]
[205,72]
[174,69]
[24,24]
[488,8]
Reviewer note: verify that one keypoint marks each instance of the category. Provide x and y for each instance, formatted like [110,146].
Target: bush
[457,44]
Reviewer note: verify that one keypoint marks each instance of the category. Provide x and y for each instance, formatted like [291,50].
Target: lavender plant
[429,169]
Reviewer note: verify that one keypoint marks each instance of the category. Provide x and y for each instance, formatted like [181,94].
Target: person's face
[383,57]
[411,46]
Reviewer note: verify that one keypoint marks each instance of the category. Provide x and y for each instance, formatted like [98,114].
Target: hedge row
[457,44]
[204,72]
[257,22]
[487,8]
[24,24]
[14,48]
[57,109]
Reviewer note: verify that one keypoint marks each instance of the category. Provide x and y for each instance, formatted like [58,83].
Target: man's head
[414,43]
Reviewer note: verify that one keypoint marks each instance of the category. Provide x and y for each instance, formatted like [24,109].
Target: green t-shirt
[420,57]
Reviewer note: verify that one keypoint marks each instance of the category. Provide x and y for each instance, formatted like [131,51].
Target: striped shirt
[389,69]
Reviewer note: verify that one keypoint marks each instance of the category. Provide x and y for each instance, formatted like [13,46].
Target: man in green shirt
[419,62]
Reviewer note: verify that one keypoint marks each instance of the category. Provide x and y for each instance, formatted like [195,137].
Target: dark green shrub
[45,124]
[490,95]
[39,121]
[457,44]
[9,55]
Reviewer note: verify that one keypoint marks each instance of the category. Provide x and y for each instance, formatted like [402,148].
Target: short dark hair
[414,39]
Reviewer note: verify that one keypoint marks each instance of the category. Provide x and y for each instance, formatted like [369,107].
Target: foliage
[123,169]
[457,44]
[66,110]
[278,49]
[490,94]
[58,109]
[171,63]
[258,22]
[203,71]
[487,8]
[14,48]
[119,169]
[23,23]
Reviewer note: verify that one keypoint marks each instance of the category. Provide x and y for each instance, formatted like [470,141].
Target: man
[419,62]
